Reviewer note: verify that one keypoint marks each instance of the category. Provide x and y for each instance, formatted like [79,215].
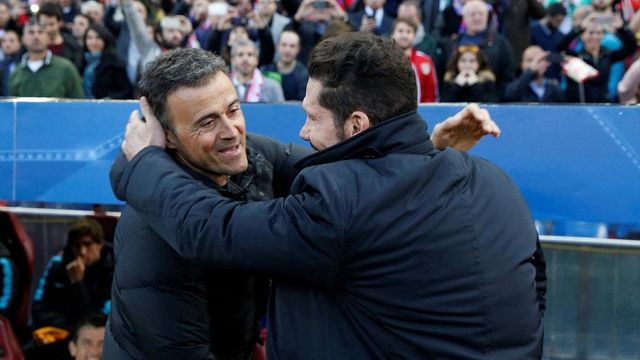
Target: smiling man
[385,247]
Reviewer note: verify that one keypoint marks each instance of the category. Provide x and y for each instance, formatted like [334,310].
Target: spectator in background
[69,10]
[494,46]
[88,338]
[41,73]
[60,43]
[6,21]
[12,51]
[78,283]
[629,86]
[532,86]
[79,28]
[288,71]
[311,21]
[404,33]
[372,18]
[105,74]
[514,19]
[591,32]
[424,41]
[166,35]
[546,34]
[267,11]
[250,83]
[94,10]
[228,25]
[449,21]
[469,77]
[115,22]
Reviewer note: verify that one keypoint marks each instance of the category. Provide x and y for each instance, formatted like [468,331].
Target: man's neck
[220,179]
[37,56]
[407,51]
[244,79]
[286,68]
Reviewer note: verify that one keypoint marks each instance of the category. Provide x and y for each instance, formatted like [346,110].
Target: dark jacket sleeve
[629,45]
[116,172]
[295,237]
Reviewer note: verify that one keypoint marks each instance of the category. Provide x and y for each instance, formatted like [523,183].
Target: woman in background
[104,71]
[469,77]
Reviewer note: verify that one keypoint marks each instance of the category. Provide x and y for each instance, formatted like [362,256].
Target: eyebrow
[216,114]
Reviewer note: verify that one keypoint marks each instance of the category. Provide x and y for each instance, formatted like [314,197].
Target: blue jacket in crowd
[385,248]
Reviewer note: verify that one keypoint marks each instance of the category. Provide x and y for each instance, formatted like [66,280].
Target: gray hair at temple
[174,70]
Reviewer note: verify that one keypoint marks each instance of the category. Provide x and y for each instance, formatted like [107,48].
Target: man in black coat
[78,283]
[385,247]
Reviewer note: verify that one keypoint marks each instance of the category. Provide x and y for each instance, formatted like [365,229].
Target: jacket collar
[405,134]
[47,58]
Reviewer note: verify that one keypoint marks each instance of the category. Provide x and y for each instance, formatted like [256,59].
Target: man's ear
[356,123]
[73,349]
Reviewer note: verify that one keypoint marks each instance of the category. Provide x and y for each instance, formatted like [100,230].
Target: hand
[304,10]
[368,24]
[461,78]
[141,134]
[472,78]
[463,130]
[75,270]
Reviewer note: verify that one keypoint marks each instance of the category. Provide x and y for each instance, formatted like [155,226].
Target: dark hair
[556,9]
[51,9]
[83,227]
[407,21]
[363,72]
[103,33]
[173,70]
[96,320]
[452,65]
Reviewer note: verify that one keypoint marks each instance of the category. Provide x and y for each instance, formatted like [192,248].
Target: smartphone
[239,21]
[217,9]
[320,4]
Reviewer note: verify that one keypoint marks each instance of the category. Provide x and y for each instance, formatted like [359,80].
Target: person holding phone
[591,31]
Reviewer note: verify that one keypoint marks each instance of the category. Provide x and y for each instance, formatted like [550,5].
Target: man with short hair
[532,86]
[88,338]
[250,83]
[385,247]
[40,73]
[196,311]
[404,33]
[60,43]
[372,18]
[78,282]
[287,70]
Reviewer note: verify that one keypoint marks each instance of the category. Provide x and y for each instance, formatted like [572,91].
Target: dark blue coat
[386,248]
[168,307]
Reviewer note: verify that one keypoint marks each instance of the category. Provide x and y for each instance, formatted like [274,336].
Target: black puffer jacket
[166,307]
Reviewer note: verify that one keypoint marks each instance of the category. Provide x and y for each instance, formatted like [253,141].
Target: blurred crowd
[573,51]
